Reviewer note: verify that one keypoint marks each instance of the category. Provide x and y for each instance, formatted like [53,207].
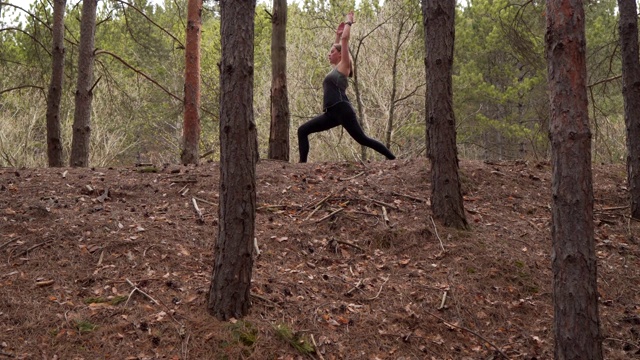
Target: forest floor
[116,264]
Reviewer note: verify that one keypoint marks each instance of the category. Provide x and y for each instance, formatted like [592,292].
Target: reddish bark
[191,125]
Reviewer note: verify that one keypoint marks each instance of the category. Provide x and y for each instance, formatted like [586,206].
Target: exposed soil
[116,264]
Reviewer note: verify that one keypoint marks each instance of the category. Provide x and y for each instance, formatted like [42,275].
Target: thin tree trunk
[362,117]
[631,94]
[394,86]
[231,281]
[81,141]
[446,194]
[280,116]
[575,297]
[54,139]
[191,126]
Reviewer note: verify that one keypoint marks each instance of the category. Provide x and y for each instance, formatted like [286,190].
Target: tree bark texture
[191,125]
[280,116]
[446,195]
[54,138]
[576,322]
[231,280]
[631,93]
[81,141]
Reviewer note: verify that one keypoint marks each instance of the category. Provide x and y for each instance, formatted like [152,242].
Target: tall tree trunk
[191,126]
[280,116]
[631,94]
[81,141]
[54,139]
[576,325]
[446,195]
[231,280]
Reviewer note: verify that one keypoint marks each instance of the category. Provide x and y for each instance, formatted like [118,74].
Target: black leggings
[339,114]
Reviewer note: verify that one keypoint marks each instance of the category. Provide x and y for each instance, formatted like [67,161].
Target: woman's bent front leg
[319,123]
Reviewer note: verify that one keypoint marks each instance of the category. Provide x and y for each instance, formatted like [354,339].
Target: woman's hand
[350,17]
[340,29]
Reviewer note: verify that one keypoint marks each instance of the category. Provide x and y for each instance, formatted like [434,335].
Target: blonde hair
[339,48]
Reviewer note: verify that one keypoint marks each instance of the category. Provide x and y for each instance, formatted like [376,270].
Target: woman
[336,106]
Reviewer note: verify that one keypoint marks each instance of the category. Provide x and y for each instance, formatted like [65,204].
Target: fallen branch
[323,200]
[385,216]
[9,242]
[205,201]
[469,331]
[355,287]
[9,274]
[383,203]
[435,229]
[330,215]
[349,244]
[135,288]
[623,342]
[34,247]
[207,153]
[269,302]
[185,181]
[379,291]
[444,300]
[255,246]
[105,195]
[612,208]
[197,209]
[352,177]
[269,207]
[408,197]
[318,205]
[316,347]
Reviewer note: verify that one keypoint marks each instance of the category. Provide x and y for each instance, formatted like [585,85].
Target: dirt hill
[116,263]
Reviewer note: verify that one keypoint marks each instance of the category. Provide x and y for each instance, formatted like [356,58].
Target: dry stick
[204,201]
[33,247]
[9,242]
[9,274]
[350,244]
[330,215]
[385,216]
[185,347]
[318,205]
[352,177]
[207,154]
[379,291]
[444,300]
[383,203]
[197,209]
[469,331]
[355,287]
[185,181]
[135,288]
[624,342]
[436,231]
[316,346]
[408,196]
[270,303]
[613,208]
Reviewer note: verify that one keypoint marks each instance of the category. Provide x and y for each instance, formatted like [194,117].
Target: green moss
[84,326]
[296,340]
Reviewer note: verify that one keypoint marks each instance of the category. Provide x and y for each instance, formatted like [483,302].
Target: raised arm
[344,66]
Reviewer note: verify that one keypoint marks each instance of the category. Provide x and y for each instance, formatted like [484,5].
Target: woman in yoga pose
[336,106]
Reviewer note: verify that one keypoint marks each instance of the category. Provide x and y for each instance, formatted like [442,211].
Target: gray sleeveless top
[335,89]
